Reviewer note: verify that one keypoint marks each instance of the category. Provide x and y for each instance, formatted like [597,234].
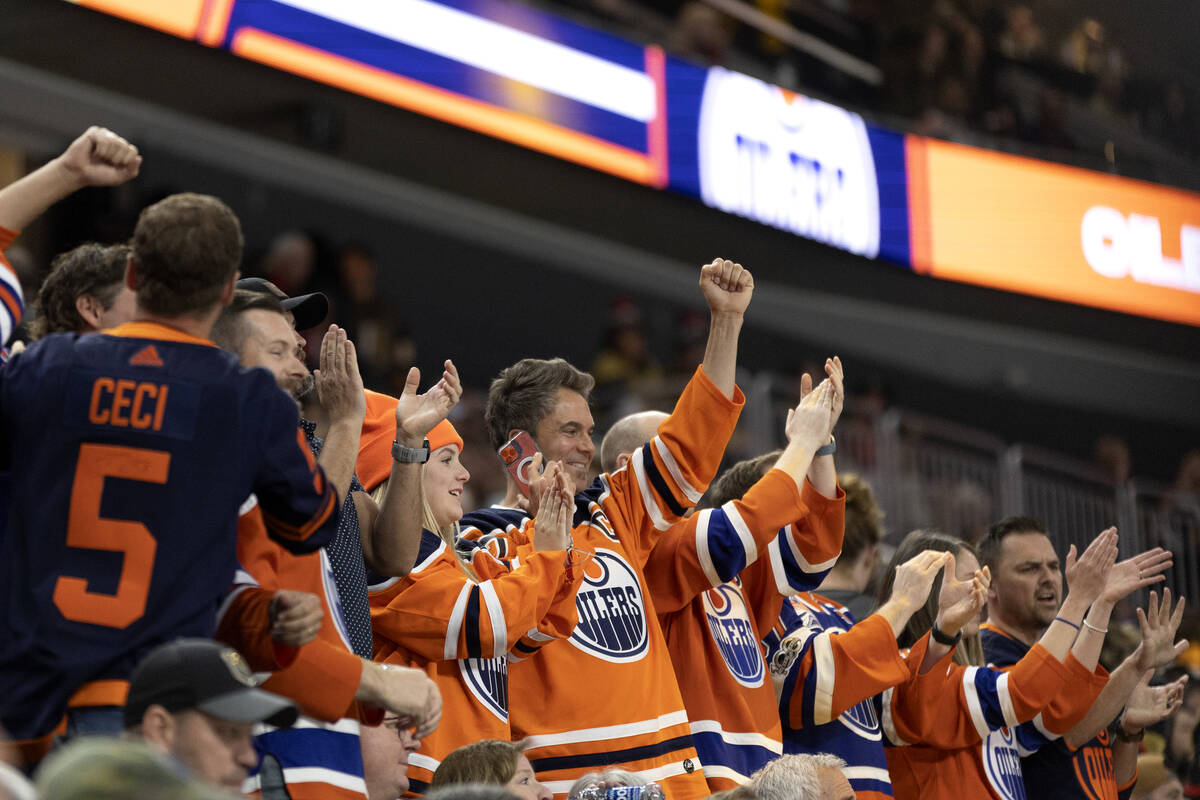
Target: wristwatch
[1119,731]
[410,455]
[942,638]
[827,449]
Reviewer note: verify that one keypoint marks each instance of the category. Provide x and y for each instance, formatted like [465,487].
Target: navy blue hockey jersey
[131,452]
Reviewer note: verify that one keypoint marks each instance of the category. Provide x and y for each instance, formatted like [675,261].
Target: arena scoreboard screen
[736,143]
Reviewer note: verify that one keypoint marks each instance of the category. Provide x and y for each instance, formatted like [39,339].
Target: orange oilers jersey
[608,696]
[954,729]
[717,579]
[464,634]
[1085,773]
[320,756]
[830,670]
[323,676]
[12,302]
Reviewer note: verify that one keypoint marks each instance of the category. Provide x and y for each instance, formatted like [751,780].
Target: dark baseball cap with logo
[308,309]
[206,676]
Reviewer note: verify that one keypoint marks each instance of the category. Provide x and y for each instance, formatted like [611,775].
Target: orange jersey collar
[158,332]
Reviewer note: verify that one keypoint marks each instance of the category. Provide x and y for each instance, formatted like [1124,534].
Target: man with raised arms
[608,696]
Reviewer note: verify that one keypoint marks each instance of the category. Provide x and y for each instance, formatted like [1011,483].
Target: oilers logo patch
[862,720]
[729,622]
[612,614]
[487,678]
[1002,765]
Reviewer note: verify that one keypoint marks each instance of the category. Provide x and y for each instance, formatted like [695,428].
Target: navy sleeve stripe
[471,622]
[797,578]
[660,485]
[724,546]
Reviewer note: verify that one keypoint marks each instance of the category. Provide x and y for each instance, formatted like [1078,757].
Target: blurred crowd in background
[951,68]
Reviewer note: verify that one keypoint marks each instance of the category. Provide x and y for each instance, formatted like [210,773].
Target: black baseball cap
[207,676]
[308,309]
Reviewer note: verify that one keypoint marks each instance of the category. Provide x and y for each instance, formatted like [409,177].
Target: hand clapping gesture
[1087,575]
[556,510]
[835,377]
[808,423]
[1159,624]
[339,384]
[959,601]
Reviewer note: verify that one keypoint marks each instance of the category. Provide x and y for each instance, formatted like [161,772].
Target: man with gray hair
[816,776]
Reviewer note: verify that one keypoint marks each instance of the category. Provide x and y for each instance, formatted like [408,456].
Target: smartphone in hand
[517,456]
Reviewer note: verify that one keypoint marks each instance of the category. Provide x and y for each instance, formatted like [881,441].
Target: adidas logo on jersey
[146,357]
[729,622]
[487,678]
[612,614]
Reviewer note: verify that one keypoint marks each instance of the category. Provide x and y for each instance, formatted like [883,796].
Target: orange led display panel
[1054,231]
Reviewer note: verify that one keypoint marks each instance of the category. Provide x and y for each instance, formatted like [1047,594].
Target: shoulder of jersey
[486,520]
[999,648]
[593,493]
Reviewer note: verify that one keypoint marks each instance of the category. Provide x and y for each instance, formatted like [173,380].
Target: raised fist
[100,157]
[726,286]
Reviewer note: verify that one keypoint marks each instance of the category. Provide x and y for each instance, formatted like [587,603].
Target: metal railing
[929,472]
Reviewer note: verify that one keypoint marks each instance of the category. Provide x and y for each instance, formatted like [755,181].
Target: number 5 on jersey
[86,529]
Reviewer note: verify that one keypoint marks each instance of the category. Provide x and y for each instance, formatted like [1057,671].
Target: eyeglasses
[397,725]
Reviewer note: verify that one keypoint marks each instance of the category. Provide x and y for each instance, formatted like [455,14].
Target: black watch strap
[942,638]
[410,455]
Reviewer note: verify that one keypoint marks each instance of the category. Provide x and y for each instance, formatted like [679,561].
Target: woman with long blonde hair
[462,614]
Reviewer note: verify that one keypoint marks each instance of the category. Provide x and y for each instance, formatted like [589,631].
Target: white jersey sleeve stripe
[826,679]
[743,531]
[889,724]
[249,505]
[790,536]
[496,615]
[676,474]
[973,705]
[1006,704]
[9,323]
[456,621]
[702,551]
[778,570]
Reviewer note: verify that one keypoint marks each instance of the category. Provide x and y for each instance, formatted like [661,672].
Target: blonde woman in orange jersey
[960,725]
[462,614]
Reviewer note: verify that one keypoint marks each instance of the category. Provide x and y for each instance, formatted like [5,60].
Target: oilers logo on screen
[487,678]
[788,161]
[1002,765]
[729,622]
[612,614]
